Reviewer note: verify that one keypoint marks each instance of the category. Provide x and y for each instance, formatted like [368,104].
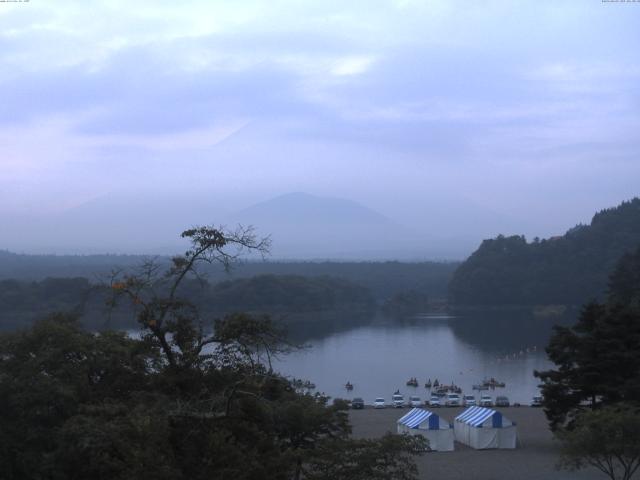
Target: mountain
[302,226]
[570,269]
[308,226]
[298,207]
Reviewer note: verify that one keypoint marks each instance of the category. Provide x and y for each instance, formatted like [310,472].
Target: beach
[535,457]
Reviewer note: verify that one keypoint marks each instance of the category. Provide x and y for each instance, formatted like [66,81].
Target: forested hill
[288,293]
[569,270]
[383,279]
[292,296]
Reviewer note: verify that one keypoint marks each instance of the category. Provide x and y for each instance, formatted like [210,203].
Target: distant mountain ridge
[569,269]
[299,206]
[303,227]
[309,226]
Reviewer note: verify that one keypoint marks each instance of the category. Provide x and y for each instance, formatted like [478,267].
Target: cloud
[275,96]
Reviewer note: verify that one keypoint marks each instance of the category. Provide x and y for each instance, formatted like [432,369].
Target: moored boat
[412,382]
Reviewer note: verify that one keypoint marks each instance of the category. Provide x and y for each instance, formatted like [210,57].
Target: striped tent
[483,428]
[423,422]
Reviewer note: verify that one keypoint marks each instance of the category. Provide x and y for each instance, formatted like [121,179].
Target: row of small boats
[484,385]
[436,386]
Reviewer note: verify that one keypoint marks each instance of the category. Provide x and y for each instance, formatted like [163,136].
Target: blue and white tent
[482,428]
[423,422]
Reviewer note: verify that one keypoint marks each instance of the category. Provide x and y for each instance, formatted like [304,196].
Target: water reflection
[379,358]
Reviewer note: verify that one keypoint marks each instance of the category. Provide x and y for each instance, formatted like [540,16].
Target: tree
[598,359]
[367,459]
[607,439]
[170,321]
[183,401]
[54,373]
[563,270]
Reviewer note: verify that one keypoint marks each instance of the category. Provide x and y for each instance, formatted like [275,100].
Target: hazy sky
[529,110]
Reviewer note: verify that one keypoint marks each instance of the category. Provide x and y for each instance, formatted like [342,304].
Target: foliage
[607,439]
[569,270]
[598,359]
[283,295]
[406,303]
[624,283]
[20,299]
[288,293]
[366,459]
[48,375]
[183,401]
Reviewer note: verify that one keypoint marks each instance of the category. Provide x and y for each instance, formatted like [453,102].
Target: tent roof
[475,416]
[415,417]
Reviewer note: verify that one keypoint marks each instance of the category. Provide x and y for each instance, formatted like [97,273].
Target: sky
[469,118]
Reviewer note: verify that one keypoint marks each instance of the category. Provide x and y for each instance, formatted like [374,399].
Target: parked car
[379,403]
[434,401]
[486,401]
[398,400]
[502,401]
[453,400]
[469,401]
[414,402]
[357,403]
[536,401]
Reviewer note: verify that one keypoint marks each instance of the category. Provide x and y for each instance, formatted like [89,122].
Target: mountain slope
[570,269]
[303,207]
[308,226]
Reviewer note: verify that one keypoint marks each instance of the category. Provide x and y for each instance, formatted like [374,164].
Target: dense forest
[383,279]
[288,293]
[566,270]
[288,297]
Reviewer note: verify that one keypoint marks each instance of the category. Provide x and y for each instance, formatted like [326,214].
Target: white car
[469,401]
[415,402]
[537,401]
[434,401]
[398,400]
[453,400]
[486,401]
[379,403]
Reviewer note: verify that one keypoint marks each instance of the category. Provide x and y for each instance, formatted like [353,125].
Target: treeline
[406,303]
[383,279]
[288,293]
[21,303]
[289,298]
[566,270]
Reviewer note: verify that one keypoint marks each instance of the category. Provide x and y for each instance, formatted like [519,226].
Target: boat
[436,384]
[480,386]
[428,384]
[348,386]
[412,382]
[493,383]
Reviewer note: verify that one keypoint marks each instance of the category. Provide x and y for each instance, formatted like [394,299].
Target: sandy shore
[534,459]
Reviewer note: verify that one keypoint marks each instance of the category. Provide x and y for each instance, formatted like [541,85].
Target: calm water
[379,358]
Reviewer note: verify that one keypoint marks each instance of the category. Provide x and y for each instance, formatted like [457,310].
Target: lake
[380,357]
